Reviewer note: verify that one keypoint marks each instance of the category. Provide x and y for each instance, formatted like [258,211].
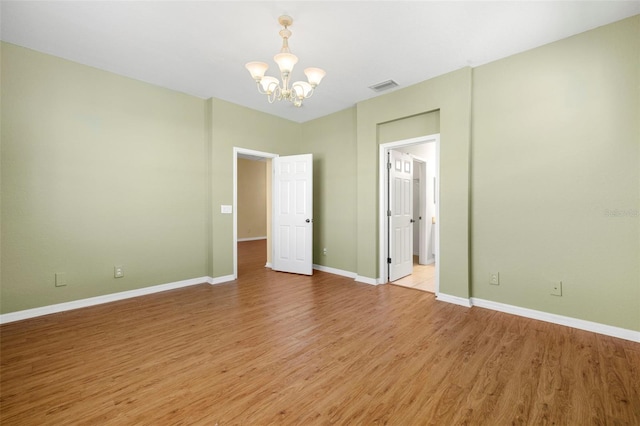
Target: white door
[400,215]
[292,214]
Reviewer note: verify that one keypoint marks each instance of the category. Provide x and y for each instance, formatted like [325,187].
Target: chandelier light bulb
[257,69]
[314,76]
[302,89]
[269,84]
[286,62]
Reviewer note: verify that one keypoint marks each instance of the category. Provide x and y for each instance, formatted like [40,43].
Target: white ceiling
[200,47]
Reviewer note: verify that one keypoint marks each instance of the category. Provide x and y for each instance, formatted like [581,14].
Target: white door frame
[253,153]
[422,220]
[382,203]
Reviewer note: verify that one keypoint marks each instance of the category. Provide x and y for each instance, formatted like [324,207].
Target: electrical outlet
[118,271]
[494,278]
[556,288]
[61,279]
[324,251]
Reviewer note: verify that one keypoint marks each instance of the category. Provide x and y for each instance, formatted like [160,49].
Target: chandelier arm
[275,95]
[310,94]
[260,90]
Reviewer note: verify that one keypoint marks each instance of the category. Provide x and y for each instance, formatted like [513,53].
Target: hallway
[422,278]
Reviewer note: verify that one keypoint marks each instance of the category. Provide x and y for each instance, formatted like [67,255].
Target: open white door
[292,214]
[400,215]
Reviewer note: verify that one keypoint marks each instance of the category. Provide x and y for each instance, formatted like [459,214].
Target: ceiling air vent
[385,85]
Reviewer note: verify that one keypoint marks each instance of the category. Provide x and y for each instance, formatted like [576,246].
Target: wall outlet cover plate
[556,288]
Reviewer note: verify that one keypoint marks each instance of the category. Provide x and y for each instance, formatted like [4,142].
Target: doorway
[425,181]
[422,276]
[256,156]
[289,194]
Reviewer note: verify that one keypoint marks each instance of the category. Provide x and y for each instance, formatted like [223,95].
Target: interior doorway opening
[289,215]
[248,154]
[425,172]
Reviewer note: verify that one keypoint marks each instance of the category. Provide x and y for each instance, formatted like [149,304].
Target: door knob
[412,221]
[308,220]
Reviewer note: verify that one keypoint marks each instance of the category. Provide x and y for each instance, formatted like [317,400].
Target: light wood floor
[423,277]
[276,348]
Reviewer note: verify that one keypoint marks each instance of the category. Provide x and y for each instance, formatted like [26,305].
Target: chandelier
[271,86]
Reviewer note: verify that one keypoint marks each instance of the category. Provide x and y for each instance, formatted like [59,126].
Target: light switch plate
[226,209]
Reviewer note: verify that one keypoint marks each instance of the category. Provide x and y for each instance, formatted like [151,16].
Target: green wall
[97,170]
[427,123]
[539,177]
[555,147]
[332,140]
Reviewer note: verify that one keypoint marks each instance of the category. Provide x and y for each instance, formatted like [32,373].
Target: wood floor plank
[274,348]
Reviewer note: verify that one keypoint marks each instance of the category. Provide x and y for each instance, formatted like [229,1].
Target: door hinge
[389,260]
[389,165]
[388,212]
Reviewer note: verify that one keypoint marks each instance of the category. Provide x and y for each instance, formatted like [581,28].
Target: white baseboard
[98,300]
[456,300]
[595,327]
[334,271]
[220,280]
[366,280]
[341,272]
[607,330]
[348,274]
[251,239]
